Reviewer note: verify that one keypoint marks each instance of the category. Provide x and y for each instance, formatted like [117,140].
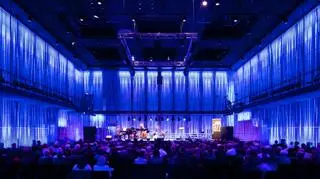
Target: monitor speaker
[89,134]
[227,133]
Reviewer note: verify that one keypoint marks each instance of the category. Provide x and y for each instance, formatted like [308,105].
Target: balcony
[301,84]
[20,86]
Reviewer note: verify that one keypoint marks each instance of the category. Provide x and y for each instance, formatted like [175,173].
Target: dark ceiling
[226,31]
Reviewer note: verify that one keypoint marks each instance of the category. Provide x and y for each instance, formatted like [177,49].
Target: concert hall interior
[179,72]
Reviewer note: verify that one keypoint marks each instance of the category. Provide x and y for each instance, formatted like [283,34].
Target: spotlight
[96,17]
[99,3]
[184,119]
[150,119]
[73,43]
[184,20]
[150,59]
[132,58]
[133,20]
[217,3]
[235,20]
[134,119]
[168,58]
[168,119]
[204,3]
[81,19]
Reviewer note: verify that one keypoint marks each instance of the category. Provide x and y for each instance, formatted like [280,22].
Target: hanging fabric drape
[296,121]
[292,58]
[26,58]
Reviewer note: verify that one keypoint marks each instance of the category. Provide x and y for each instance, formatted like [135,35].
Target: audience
[99,156]
[82,165]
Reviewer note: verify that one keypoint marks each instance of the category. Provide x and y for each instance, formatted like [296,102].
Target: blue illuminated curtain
[139,90]
[166,91]
[283,61]
[179,91]
[221,89]
[194,91]
[297,121]
[26,58]
[70,125]
[125,90]
[31,122]
[152,93]
[208,91]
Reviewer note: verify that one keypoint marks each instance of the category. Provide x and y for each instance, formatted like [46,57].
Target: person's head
[81,164]
[60,151]
[77,147]
[39,142]
[46,153]
[276,142]
[156,153]
[1,145]
[101,160]
[141,153]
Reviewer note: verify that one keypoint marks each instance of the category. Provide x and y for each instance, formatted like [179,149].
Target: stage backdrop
[122,91]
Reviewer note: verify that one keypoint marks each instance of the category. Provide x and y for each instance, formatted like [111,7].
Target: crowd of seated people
[120,156]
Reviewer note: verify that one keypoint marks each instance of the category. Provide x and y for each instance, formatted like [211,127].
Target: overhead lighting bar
[157,36]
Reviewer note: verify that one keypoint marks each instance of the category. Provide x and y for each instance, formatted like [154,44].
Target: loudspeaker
[89,134]
[227,133]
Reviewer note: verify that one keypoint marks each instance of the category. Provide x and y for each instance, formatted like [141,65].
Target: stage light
[235,20]
[184,119]
[133,20]
[96,17]
[99,3]
[132,58]
[151,59]
[168,58]
[204,3]
[184,20]
[150,119]
[217,3]
[134,119]
[168,119]
[73,43]
[81,19]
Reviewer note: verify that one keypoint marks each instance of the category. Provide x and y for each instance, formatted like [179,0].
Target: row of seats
[158,172]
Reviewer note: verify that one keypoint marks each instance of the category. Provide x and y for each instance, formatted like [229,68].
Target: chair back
[80,175]
[100,175]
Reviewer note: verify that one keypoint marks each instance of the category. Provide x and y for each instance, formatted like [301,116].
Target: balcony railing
[9,81]
[304,83]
